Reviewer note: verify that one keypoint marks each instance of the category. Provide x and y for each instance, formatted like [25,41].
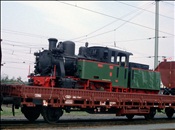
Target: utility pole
[156,34]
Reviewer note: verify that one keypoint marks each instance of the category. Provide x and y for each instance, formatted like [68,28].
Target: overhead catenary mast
[156,34]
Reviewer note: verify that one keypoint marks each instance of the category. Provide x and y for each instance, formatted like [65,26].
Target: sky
[126,25]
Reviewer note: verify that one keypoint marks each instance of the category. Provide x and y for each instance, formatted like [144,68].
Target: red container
[167,71]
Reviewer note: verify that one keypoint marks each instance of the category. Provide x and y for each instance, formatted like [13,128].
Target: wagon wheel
[31,113]
[51,114]
[151,114]
[130,117]
[169,112]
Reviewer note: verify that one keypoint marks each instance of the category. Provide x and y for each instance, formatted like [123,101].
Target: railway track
[79,122]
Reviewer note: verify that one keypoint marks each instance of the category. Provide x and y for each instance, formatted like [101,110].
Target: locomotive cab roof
[112,49]
[109,55]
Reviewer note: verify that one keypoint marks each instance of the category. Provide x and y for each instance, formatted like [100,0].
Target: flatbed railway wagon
[99,80]
[50,102]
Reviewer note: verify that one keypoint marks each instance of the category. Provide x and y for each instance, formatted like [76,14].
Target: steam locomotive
[94,68]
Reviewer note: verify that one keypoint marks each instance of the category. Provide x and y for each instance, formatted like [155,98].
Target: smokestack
[52,43]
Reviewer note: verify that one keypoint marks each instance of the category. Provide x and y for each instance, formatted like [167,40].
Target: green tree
[13,80]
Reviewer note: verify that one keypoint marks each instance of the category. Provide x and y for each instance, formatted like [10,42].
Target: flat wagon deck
[56,99]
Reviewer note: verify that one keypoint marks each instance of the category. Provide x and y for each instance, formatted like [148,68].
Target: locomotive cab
[105,54]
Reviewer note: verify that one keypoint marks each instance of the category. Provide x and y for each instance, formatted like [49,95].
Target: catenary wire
[145,10]
[110,16]
[92,32]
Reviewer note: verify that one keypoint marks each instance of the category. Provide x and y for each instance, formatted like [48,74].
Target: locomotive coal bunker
[93,68]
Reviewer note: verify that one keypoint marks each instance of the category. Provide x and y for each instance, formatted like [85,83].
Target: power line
[129,40]
[107,24]
[24,33]
[145,10]
[15,56]
[41,36]
[23,46]
[16,52]
[113,31]
[14,62]
[28,43]
[14,67]
[114,17]
[168,3]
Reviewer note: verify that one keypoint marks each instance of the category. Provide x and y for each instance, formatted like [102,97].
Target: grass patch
[7,111]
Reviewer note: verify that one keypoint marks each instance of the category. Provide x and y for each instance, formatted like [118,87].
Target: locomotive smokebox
[52,43]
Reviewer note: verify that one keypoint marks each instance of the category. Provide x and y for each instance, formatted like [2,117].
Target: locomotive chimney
[52,43]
